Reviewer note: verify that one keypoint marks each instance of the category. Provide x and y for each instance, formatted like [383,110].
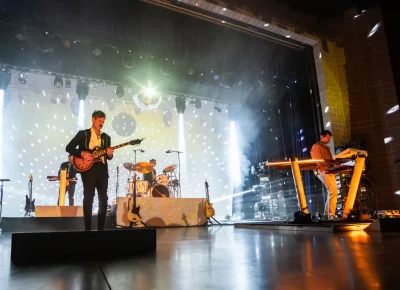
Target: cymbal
[144,167]
[170,168]
[129,166]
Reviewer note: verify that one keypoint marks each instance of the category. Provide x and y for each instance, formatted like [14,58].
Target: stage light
[149,92]
[20,36]
[63,99]
[147,99]
[218,109]
[198,103]
[82,90]
[22,77]
[119,91]
[234,153]
[180,103]
[54,99]
[97,52]
[67,84]
[58,82]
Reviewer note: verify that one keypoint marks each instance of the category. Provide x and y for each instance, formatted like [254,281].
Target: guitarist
[97,176]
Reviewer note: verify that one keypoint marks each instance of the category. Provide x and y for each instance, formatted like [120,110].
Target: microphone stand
[135,150]
[179,172]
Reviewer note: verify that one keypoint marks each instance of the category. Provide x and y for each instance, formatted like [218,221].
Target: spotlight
[63,99]
[119,91]
[22,77]
[218,109]
[149,92]
[54,99]
[180,103]
[20,36]
[67,84]
[196,103]
[82,90]
[190,71]
[97,52]
[58,82]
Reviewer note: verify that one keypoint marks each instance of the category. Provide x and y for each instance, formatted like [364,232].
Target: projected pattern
[37,130]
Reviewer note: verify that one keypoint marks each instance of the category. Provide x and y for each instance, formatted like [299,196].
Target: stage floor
[226,258]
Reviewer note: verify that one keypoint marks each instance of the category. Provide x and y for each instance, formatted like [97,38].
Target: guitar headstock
[136,141]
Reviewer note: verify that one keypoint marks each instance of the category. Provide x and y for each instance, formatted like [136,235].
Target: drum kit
[165,185]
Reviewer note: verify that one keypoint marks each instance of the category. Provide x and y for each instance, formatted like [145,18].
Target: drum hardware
[179,173]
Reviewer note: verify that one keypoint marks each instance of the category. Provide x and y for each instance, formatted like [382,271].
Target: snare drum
[162,179]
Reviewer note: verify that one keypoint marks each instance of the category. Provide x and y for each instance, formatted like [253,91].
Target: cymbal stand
[179,172]
[135,150]
[30,185]
[173,187]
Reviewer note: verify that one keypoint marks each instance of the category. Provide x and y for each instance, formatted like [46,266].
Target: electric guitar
[133,210]
[30,204]
[82,164]
[210,211]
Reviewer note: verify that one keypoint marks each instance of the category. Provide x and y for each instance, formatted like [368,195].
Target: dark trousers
[71,191]
[95,178]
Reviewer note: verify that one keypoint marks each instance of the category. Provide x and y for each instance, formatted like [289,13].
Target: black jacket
[72,170]
[82,140]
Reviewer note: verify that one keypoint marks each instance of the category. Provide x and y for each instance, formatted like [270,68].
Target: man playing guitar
[96,177]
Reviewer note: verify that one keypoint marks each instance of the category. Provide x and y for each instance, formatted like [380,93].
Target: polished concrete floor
[226,258]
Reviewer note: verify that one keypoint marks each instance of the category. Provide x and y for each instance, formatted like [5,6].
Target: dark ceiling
[327,9]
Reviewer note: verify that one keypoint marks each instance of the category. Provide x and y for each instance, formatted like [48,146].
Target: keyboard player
[320,150]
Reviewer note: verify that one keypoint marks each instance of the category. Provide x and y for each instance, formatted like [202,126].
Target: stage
[155,212]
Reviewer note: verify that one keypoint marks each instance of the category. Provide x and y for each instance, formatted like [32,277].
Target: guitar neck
[103,151]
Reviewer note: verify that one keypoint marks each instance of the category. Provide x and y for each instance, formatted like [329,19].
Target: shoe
[333,218]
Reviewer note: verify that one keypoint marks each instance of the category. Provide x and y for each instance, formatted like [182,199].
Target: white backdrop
[36,132]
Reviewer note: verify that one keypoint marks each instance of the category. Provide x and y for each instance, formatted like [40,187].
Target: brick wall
[372,93]
[355,80]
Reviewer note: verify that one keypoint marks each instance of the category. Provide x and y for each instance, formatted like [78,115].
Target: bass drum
[160,191]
